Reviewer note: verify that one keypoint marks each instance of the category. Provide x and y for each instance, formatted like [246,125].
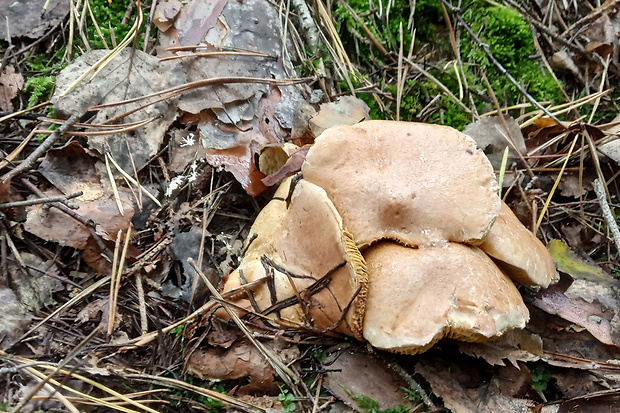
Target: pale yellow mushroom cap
[307,239]
[415,183]
[417,296]
[518,252]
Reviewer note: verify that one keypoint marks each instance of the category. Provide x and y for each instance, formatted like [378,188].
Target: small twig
[111,305]
[177,90]
[144,325]
[47,144]
[87,223]
[5,58]
[62,199]
[149,23]
[601,194]
[413,385]
[498,65]
[214,54]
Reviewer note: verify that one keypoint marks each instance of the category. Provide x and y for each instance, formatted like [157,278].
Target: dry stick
[47,144]
[498,65]
[133,181]
[413,385]
[399,72]
[113,274]
[4,272]
[214,54]
[57,395]
[87,223]
[125,128]
[144,324]
[147,31]
[315,404]
[62,198]
[376,43]
[280,368]
[595,158]
[55,276]
[121,264]
[555,185]
[117,197]
[438,83]
[93,398]
[10,157]
[601,195]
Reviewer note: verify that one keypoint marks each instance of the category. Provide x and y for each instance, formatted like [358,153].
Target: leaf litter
[565,360]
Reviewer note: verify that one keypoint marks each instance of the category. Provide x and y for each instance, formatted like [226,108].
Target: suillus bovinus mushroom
[393,233]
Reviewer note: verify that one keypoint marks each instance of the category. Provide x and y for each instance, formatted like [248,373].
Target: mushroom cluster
[393,233]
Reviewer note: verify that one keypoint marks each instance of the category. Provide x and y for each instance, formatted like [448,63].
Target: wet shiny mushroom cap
[414,183]
[299,243]
[418,296]
[518,252]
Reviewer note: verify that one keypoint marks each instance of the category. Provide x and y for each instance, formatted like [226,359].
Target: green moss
[109,17]
[384,28]
[507,34]
[510,41]
[40,89]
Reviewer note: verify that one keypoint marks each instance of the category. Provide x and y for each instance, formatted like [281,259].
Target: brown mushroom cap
[418,296]
[415,183]
[306,238]
[518,252]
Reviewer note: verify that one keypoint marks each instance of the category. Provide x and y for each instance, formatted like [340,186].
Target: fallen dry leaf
[14,318]
[10,84]
[465,387]
[589,315]
[10,194]
[240,360]
[240,162]
[129,75]
[33,288]
[516,346]
[71,169]
[347,110]
[215,24]
[30,19]
[57,226]
[234,118]
[491,136]
[165,12]
[377,382]
[292,165]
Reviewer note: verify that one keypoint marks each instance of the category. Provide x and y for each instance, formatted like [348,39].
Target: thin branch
[485,47]
[62,199]
[601,194]
[30,161]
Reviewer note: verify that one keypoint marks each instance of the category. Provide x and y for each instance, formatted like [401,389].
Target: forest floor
[140,140]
